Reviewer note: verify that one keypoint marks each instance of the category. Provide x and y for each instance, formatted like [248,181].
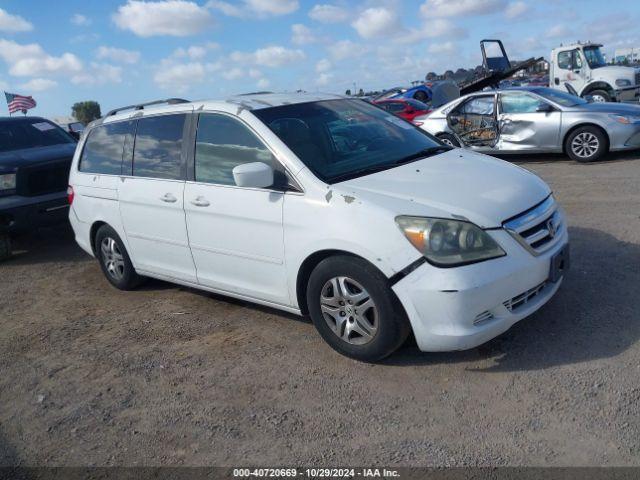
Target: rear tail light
[418,124]
[70,194]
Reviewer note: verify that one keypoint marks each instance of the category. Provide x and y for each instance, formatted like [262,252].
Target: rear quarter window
[102,152]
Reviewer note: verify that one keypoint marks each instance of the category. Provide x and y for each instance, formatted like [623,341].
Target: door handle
[200,202]
[167,197]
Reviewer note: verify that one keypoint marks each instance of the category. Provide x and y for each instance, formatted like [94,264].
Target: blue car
[419,92]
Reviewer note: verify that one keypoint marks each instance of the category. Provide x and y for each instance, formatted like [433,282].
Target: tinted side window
[222,143]
[102,151]
[157,151]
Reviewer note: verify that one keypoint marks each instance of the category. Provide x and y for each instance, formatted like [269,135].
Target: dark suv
[35,156]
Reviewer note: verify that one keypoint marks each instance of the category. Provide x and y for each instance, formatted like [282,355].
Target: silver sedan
[536,120]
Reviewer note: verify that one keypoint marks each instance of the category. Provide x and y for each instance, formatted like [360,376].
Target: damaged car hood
[456,184]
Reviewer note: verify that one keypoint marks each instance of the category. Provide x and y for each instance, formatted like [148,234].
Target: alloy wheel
[448,142]
[112,258]
[349,310]
[585,144]
[598,99]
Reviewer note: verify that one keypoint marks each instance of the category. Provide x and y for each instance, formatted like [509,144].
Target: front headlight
[625,119]
[623,82]
[8,181]
[449,243]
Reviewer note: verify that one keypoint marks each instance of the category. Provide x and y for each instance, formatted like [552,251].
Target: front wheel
[449,140]
[586,144]
[5,246]
[599,96]
[354,309]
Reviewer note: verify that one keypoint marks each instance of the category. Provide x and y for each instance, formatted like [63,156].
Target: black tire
[421,96]
[126,277]
[596,141]
[600,93]
[391,324]
[449,140]
[5,246]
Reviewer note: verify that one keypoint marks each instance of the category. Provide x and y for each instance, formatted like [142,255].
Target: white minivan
[319,205]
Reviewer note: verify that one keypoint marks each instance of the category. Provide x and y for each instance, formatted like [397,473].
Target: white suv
[319,205]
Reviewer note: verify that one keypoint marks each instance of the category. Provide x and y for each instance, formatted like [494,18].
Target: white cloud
[31,60]
[376,22]
[516,9]
[179,76]
[436,27]
[80,20]
[273,56]
[233,74]
[250,8]
[556,31]
[329,14]
[118,55]
[98,74]
[446,48]
[195,52]
[263,83]
[456,8]
[324,79]
[302,35]
[13,23]
[177,18]
[346,49]
[38,85]
[323,65]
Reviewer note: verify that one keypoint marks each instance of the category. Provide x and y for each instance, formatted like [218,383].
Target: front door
[151,199]
[571,70]
[474,122]
[527,123]
[236,234]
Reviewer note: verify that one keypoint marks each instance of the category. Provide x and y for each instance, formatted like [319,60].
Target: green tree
[86,112]
[348,92]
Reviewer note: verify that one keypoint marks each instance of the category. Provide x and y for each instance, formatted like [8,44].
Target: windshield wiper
[426,152]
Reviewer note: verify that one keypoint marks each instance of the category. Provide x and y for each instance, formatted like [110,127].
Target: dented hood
[455,184]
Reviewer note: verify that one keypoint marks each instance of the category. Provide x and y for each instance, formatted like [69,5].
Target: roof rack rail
[140,106]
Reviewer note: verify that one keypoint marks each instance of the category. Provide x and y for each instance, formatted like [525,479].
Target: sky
[120,52]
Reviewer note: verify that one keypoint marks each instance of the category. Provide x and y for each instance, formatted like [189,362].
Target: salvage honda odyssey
[319,205]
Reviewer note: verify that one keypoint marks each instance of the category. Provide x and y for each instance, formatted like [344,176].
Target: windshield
[30,133]
[561,98]
[342,139]
[594,56]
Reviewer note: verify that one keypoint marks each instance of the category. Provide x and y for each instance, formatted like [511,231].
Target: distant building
[627,55]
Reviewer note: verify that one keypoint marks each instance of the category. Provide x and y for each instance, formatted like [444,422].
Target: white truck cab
[583,67]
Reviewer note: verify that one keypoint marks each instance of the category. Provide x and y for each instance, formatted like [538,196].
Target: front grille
[537,228]
[524,298]
[43,179]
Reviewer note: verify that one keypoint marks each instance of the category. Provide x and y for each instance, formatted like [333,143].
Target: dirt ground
[170,376]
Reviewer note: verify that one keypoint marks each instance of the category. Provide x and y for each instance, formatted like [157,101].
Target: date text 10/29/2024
[316,472]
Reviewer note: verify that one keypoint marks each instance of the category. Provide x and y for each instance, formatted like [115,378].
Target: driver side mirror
[253,175]
[545,108]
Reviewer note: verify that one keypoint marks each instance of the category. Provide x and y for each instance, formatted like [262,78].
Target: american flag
[18,103]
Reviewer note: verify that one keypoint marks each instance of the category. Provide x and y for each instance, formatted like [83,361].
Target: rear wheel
[114,260]
[449,140]
[5,246]
[421,96]
[600,96]
[354,309]
[586,144]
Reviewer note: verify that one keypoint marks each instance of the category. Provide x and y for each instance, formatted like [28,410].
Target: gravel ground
[170,376]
